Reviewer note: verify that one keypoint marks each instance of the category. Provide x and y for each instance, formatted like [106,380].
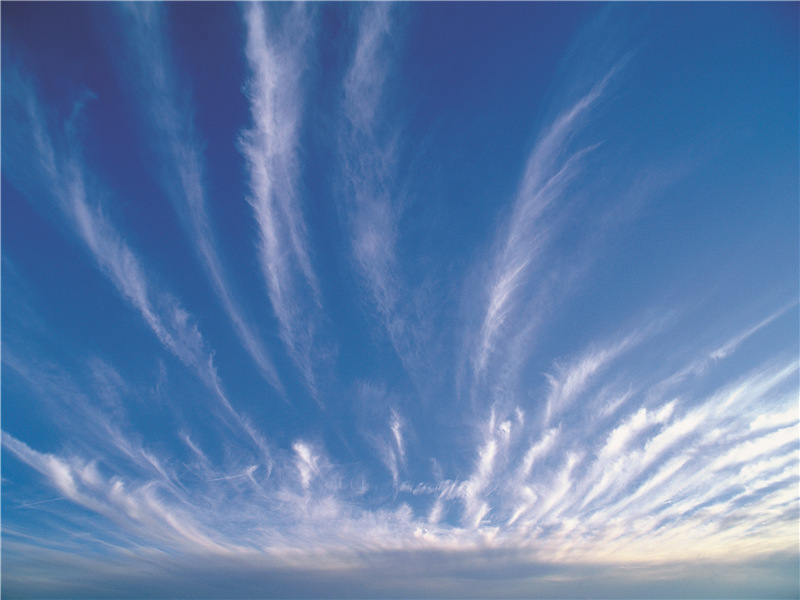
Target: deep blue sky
[412,300]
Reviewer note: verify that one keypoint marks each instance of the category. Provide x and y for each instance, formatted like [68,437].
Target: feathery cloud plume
[63,177]
[275,52]
[551,167]
[369,160]
[170,121]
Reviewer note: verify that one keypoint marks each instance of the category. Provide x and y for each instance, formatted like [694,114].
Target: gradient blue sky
[415,300]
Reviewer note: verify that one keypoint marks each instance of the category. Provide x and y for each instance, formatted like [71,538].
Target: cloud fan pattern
[344,305]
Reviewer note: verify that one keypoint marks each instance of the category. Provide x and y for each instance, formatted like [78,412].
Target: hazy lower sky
[400,300]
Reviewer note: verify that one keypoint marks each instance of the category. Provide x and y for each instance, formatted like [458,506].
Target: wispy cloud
[58,164]
[374,226]
[553,164]
[383,426]
[588,443]
[275,50]
[572,379]
[723,351]
[393,448]
[139,510]
[170,119]
[608,489]
[161,311]
[672,464]
[368,145]
[720,470]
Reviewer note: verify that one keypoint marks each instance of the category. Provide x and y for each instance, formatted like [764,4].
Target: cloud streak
[59,167]
[680,461]
[275,49]
[506,414]
[171,123]
[706,468]
[369,160]
[551,167]
[719,470]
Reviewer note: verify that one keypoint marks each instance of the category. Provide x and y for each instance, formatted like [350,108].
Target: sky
[417,300]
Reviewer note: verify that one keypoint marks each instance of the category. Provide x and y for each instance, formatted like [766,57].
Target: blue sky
[414,300]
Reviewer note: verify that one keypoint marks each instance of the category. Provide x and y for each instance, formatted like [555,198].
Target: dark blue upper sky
[394,300]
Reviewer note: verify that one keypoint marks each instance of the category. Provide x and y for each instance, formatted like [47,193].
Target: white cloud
[550,168]
[138,510]
[679,460]
[731,346]
[368,142]
[275,53]
[171,125]
[694,476]
[58,161]
[306,463]
[568,510]
[364,82]
[397,425]
[574,378]
[161,311]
